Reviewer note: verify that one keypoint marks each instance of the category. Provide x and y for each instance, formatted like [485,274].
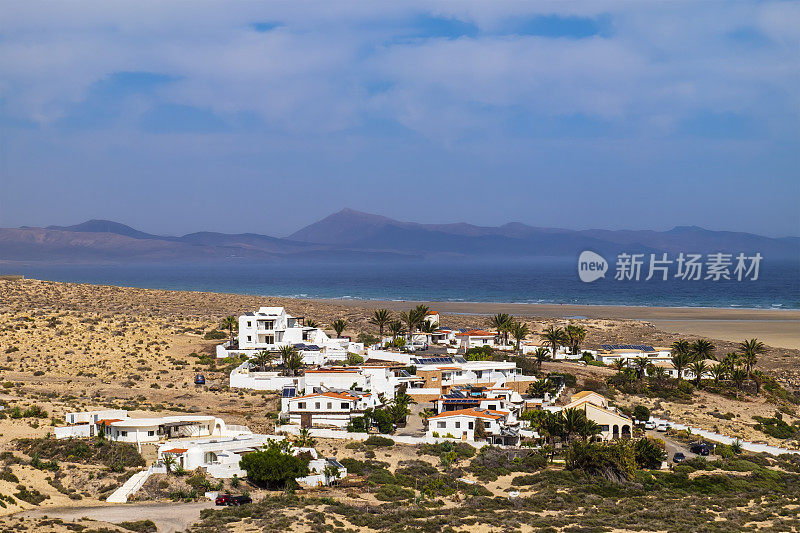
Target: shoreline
[779,328]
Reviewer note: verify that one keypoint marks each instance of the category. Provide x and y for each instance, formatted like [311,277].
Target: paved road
[673,446]
[168,517]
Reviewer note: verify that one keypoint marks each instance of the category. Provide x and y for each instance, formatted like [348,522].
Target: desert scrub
[378,441]
[463,450]
[492,462]
[141,526]
[114,455]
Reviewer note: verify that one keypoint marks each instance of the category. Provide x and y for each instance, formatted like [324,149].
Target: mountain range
[354,235]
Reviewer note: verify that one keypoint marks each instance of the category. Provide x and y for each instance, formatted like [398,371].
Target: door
[306,420]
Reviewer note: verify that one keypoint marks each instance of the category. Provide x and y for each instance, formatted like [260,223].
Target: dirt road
[168,517]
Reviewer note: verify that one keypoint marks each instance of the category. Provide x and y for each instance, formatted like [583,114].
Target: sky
[176,117]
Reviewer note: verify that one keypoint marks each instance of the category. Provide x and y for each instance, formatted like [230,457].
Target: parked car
[679,457]
[199,379]
[222,499]
[700,448]
[649,425]
[239,500]
[662,427]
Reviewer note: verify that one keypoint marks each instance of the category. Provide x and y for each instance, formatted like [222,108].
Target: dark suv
[700,448]
[679,457]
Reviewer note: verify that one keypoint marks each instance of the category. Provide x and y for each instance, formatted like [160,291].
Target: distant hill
[354,235]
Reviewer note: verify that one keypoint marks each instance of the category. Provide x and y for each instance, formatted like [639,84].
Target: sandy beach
[776,327]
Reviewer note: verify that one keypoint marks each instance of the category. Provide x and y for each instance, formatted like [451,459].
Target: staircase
[134,483]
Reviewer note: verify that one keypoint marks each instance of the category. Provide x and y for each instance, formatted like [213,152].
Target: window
[458,425]
[487,425]
[301,405]
[479,374]
[604,427]
[434,379]
[151,433]
[123,433]
[249,324]
[471,425]
[330,406]
[493,407]
[249,338]
[316,405]
[345,405]
[440,425]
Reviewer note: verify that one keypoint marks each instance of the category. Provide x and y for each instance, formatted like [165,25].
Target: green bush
[273,467]
[393,493]
[215,334]
[377,440]
[776,427]
[614,461]
[641,412]
[141,526]
[649,453]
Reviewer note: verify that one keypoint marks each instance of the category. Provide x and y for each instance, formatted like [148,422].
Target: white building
[123,428]
[500,427]
[476,338]
[218,457]
[613,424]
[330,408]
[269,328]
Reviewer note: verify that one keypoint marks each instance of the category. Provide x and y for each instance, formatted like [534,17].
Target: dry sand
[776,327]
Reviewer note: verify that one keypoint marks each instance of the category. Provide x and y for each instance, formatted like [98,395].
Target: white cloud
[662,63]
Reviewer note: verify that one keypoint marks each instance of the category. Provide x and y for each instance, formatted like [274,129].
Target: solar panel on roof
[640,347]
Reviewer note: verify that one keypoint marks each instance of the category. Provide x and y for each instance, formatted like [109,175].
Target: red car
[222,499]
[227,499]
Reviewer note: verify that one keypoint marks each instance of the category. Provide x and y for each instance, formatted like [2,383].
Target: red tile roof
[494,415]
[476,333]
[176,450]
[107,421]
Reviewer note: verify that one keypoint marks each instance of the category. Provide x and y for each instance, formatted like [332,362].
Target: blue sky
[263,117]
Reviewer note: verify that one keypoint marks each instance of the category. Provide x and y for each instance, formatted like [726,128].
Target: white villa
[332,408]
[614,425]
[438,374]
[270,328]
[630,352]
[123,428]
[218,457]
[500,427]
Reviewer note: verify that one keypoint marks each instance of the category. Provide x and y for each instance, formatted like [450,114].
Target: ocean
[532,281]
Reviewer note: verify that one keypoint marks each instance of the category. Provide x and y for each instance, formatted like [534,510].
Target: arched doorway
[615,432]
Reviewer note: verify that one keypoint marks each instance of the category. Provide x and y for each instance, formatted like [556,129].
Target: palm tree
[718,372]
[619,364]
[425,414]
[311,323]
[681,346]
[703,349]
[338,326]
[230,323]
[292,359]
[169,462]
[381,317]
[589,428]
[659,373]
[680,361]
[331,472]
[502,323]
[641,364]
[555,337]
[698,368]
[410,318]
[396,327]
[750,351]
[539,388]
[738,376]
[519,330]
[263,359]
[541,355]
[758,378]
[304,439]
[575,336]
[573,420]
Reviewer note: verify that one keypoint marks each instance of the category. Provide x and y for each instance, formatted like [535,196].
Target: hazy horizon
[263,118]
